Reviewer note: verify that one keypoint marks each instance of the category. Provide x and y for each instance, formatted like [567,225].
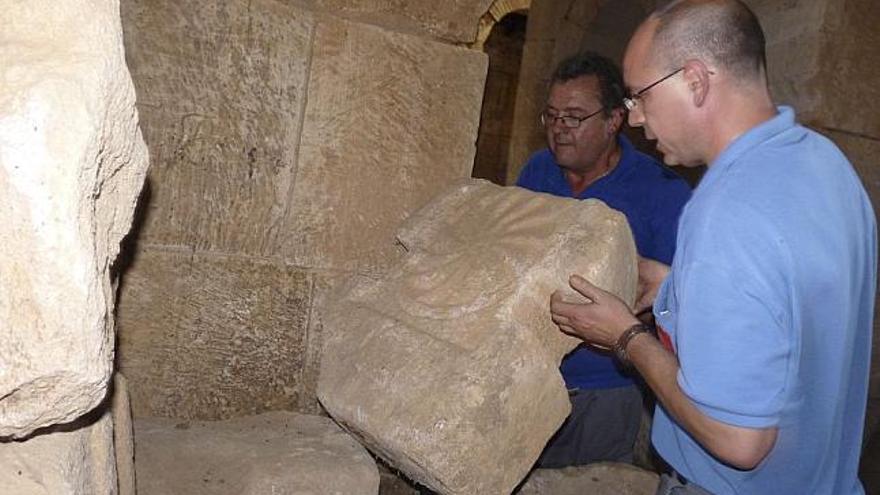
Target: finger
[569,330]
[652,269]
[645,262]
[586,289]
[567,309]
[643,300]
[559,306]
[559,319]
[642,308]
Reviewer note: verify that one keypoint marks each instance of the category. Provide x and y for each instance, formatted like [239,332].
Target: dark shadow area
[394,482]
[504,47]
[869,469]
[128,254]
[128,245]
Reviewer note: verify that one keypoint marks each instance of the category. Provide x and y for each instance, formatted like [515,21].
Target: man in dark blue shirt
[588,158]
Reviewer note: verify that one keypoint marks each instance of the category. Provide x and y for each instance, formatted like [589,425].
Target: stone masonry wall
[289,139]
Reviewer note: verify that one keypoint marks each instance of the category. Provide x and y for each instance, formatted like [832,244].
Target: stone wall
[289,139]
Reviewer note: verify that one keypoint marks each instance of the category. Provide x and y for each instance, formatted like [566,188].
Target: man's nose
[635,117]
[557,126]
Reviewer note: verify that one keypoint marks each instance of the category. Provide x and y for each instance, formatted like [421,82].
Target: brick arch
[496,12]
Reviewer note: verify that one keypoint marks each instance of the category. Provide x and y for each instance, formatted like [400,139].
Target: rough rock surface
[212,337]
[447,367]
[605,478]
[272,453]
[123,436]
[276,131]
[221,87]
[73,459]
[385,127]
[453,20]
[72,163]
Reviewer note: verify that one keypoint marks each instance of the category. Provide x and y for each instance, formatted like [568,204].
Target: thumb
[586,289]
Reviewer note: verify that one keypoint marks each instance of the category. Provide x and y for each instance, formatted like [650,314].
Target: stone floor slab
[604,478]
[277,453]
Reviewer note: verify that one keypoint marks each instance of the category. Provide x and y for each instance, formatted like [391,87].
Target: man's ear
[614,122]
[696,75]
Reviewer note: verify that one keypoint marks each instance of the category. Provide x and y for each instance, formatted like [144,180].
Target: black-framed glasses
[568,121]
[632,100]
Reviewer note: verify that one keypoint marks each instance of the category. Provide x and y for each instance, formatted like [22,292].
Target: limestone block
[851,95]
[74,459]
[790,19]
[447,367]
[863,153]
[72,163]
[324,286]
[221,89]
[209,336]
[813,53]
[386,127]
[605,478]
[455,20]
[123,435]
[614,23]
[793,31]
[273,453]
[793,68]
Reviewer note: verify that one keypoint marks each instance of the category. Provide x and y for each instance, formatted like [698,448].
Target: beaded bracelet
[624,339]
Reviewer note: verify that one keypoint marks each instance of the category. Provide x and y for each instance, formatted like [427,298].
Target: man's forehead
[636,59]
[582,88]
[572,101]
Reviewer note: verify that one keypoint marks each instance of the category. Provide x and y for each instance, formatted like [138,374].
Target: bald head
[720,32]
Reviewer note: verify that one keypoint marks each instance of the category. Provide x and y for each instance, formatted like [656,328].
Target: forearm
[739,447]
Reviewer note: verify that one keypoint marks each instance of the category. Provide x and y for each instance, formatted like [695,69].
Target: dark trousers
[602,426]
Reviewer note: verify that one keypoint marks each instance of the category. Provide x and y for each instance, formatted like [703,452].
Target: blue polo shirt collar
[783,121]
[624,163]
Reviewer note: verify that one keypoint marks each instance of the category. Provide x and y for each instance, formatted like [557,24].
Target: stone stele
[72,164]
[447,366]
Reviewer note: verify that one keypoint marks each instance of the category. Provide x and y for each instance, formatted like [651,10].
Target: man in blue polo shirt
[764,318]
[588,158]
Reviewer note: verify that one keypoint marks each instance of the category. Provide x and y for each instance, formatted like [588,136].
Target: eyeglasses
[632,100]
[568,121]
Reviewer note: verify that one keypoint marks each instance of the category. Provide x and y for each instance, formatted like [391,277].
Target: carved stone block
[447,366]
